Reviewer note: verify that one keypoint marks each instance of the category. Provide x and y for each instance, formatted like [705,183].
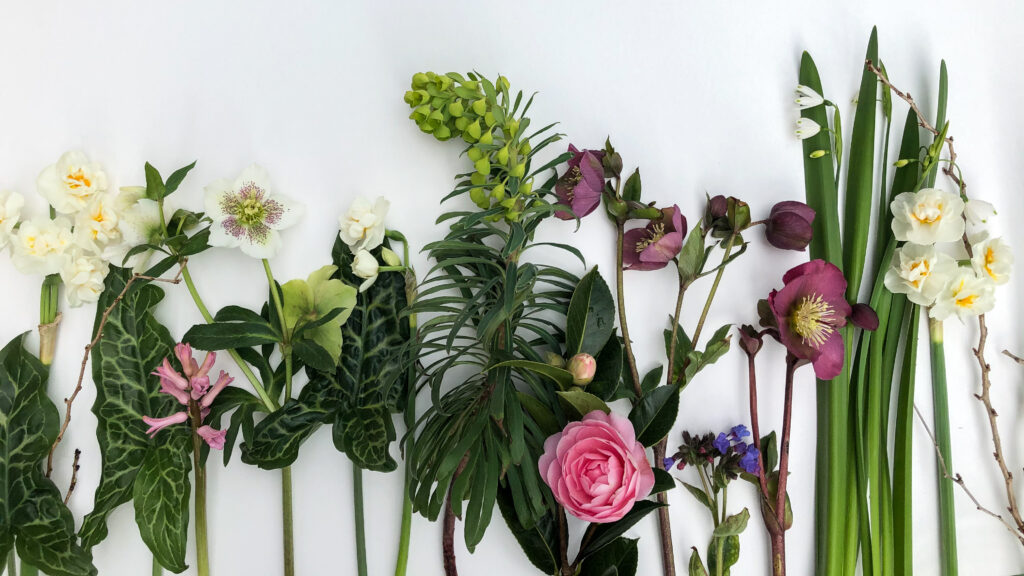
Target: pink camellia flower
[191,390]
[655,245]
[583,367]
[596,468]
[581,186]
[809,312]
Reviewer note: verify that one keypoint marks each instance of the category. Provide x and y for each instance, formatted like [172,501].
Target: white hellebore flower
[978,211]
[928,216]
[993,259]
[11,204]
[69,184]
[967,294]
[919,272]
[41,245]
[139,224]
[247,215]
[365,266]
[807,97]
[83,275]
[805,128]
[362,227]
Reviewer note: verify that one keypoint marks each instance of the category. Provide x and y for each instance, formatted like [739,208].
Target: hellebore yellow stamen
[657,232]
[811,320]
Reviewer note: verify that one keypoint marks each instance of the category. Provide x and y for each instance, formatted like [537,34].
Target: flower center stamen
[990,258]
[812,320]
[654,233]
[928,214]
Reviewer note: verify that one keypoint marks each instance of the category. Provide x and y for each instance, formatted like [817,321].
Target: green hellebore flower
[309,301]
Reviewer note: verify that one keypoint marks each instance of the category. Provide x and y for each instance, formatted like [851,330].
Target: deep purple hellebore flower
[789,226]
[809,312]
[582,184]
[655,245]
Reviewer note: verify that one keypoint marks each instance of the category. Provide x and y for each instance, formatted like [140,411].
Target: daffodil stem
[940,397]
[409,417]
[357,496]
[49,307]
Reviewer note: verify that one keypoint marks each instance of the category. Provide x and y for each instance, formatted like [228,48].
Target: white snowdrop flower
[247,215]
[805,128]
[993,258]
[966,295]
[83,275]
[978,211]
[807,97]
[69,184]
[919,272]
[362,227]
[41,245]
[365,266]
[11,204]
[928,216]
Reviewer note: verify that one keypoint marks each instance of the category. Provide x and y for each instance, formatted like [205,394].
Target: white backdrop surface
[697,93]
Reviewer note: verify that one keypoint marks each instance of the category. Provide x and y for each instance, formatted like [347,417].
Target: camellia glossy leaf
[608,376]
[539,541]
[616,559]
[358,397]
[577,403]
[655,413]
[663,481]
[132,346]
[35,519]
[605,534]
[591,318]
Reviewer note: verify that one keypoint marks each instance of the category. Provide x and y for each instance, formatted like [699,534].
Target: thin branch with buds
[1013,357]
[69,401]
[74,476]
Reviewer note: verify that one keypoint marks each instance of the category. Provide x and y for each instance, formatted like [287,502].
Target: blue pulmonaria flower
[739,432]
[749,460]
[722,443]
[668,463]
[742,447]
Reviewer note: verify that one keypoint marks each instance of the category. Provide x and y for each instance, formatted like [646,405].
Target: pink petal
[214,438]
[222,382]
[158,424]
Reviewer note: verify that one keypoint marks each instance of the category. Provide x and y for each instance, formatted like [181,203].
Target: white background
[698,94]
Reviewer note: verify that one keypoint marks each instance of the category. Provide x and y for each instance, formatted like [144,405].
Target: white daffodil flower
[966,295]
[11,204]
[83,275]
[993,258]
[928,216]
[365,266]
[978,211]
[247,215]
[807,97]
[362,227]
[71,183]
[139,223]
[41,245]
[97,227]
[805,128]
[919,272]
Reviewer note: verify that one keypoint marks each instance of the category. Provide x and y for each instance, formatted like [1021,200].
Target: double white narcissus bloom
[41,245]
[11,204]
[365,266]
[247,215]
[97,227]
[919,272]
[83,275]
[927,216]
[993,259]
[72,182]
[967,294]
[362,227]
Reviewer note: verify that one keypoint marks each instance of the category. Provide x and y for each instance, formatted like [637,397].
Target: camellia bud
[582,366]
[789,226]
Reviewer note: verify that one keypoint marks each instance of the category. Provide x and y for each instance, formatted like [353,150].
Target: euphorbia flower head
[581,186]
[655,245]
[192,390]
[809,311]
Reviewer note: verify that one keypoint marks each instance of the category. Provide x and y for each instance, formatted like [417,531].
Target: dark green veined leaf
[132,346]
[161,494]
[619,558]
[577,403]
[35,518]
[244,404]
[230,335]
[591,318]
[539,541]
[654,415]
[605,534]
[608,375]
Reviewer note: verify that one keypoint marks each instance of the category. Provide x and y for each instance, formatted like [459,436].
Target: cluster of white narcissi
[932,224]
[92,227]
[807,97]
[362,230]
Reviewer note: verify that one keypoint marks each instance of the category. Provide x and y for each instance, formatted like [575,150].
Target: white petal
[216,191]
[267,249]
[293,211]
[219,236]
[257,175]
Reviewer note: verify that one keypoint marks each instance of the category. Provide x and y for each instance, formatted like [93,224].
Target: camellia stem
[940,396]
[357,496]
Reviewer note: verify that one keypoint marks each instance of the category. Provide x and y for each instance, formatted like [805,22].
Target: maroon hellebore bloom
[809,311]
[655,245]
[789,226]
[581,186]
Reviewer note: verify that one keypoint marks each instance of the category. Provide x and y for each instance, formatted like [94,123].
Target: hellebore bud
[789,226]
[582,366]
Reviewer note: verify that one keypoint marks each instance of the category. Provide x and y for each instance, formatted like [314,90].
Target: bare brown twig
[1013,357]
[74,476]
[85,358]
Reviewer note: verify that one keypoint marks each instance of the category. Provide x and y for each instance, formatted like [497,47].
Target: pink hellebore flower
[596,468]
[581,186]
[193,387]
[654,246]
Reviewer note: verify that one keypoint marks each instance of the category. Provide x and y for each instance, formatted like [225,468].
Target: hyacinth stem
[940,396]
[199,474]
[409,417]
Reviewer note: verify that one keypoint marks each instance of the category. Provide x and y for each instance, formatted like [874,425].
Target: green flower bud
[477,179]
[483,166]
[442,132]
[471,84]
[512,128]
[389,257]
[480,107]
[455,108]
[420,114]
[487,137]
[503,156]
[461,123]
[526,187]
[498,192]
[489,118]
[479,197]
[901,163]
[518,171]
[525,148]
[419,80]
[554,359]
[818,154]
[473,131]
[475,154]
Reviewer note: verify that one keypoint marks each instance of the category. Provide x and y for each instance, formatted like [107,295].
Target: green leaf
[540,413]
[605,534]
[683,347]
[560,376]
[577,403]
[161,493]
[655,414]
[651,379]
[35,518]
[631,190]
[608,376]
[730,554]
[619,558]
[132,346]
[691,257]
[699,495]
[819,176]
[230,335]
[733,525]
[175,179]
[696,566]
[539,541]
[359,396]
[716,348]
[155,189]
[769,452]
[314,355]
[591,318]
[663,481]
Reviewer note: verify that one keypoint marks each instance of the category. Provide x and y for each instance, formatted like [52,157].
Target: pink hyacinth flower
[200,385]
[213,437]
[222,382]
[188,363]
[171,376]
[158,424]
